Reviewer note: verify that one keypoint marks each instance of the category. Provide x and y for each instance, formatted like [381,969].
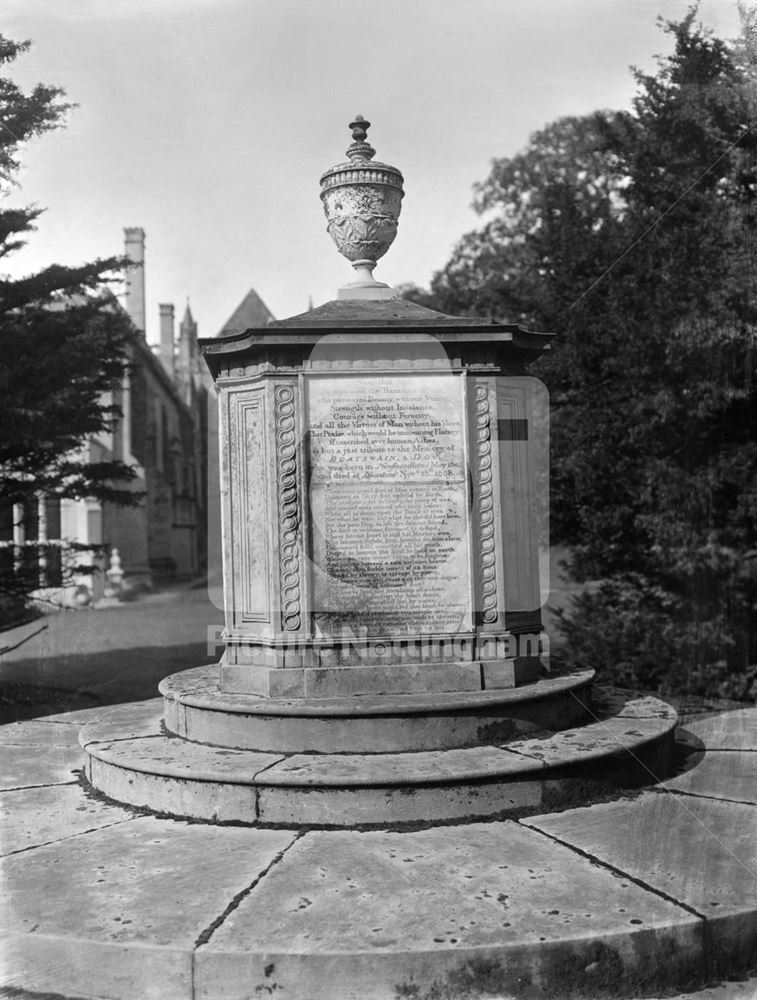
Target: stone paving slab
[174,757]
[293,912]
[124,724]
[117,912]
[726,774]
[726,731]
[28,766]
[131,713]
[39,733]
[34,816]
[381,915]
[82,716]
[700,852]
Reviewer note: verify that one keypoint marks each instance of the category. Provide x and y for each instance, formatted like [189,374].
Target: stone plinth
[383,467]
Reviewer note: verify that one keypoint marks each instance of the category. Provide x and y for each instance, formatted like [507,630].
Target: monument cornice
[392,324]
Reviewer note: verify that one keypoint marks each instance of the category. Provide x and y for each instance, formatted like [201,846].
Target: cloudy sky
[209,122]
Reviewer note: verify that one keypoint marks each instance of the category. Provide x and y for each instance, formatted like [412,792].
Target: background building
[168,434]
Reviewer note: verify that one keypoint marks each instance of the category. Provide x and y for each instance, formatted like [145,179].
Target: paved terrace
[649,895]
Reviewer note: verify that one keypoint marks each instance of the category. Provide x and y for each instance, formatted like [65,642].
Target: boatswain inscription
[389,504]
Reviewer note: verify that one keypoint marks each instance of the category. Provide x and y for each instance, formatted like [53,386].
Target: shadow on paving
[108,677]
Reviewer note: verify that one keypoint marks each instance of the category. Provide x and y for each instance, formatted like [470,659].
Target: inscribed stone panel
[388,499]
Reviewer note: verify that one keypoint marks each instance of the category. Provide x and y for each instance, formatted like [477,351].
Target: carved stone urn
[362,202]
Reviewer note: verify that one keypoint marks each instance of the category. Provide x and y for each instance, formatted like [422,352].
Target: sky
[209,123]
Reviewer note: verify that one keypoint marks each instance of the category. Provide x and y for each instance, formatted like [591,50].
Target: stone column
[42,538]
[19,536]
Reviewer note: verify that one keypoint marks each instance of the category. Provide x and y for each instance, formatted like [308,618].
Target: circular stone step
[141,764]
[197,710]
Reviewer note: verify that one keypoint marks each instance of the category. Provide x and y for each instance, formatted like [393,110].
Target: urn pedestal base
[331,682]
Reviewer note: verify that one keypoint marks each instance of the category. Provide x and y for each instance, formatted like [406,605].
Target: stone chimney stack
[134,248]
[166,338]
[188,360]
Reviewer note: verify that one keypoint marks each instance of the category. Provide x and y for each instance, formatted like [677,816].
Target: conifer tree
[63,344]
[632,235]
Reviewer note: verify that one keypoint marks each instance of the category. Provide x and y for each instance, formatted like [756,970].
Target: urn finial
[360,151]
[362,202]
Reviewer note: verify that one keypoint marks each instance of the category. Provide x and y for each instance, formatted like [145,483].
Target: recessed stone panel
[389,504]
[247,472]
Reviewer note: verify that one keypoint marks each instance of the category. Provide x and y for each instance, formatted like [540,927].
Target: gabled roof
[251,312]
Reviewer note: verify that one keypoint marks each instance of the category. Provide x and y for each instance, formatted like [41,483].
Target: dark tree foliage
[632,234]
[62,340]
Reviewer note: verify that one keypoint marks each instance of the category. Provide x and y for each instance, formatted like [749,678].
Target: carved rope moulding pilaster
[286,470]
[487,553]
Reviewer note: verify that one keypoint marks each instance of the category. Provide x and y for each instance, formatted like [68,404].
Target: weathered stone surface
[727,731]
[362,202]
[329,734]
[25,766]
[376,680]
[509,673]
[336,682]
[382,806]
[726,774]
[388,503]
[401,788]
[187,779]
[493,905]
[129,712]
[338,770]
[33,816]
[39,733]
[266,682]
[172,757]
[617,735]
[610,701]
[199,687]
[116,913]
[195,709]
[700,852]
[212,801]
[125,722]
[169,775]
[356,914]
[84,715]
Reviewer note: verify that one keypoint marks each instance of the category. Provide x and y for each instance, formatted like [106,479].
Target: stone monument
[384,489]
[380,471]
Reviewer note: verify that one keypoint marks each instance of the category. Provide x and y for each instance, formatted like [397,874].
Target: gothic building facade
[168,435]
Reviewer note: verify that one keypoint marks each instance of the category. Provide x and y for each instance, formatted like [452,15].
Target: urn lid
[362,200]
[360,153]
